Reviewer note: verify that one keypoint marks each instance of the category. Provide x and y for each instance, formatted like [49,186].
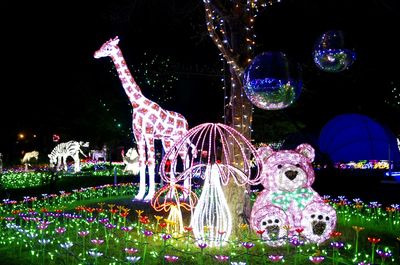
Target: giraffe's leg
[167,146]
[151,163]
[141,144]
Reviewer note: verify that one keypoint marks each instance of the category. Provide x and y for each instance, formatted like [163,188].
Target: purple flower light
[166,236]
[110,226]
[316,259]
[104,221]
[126,228]
[147,233]
[384,254]
[337,244]
[90,219]
[248,245]
[202,245]
[296,242]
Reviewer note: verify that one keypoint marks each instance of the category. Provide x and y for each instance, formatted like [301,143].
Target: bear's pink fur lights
[288,203]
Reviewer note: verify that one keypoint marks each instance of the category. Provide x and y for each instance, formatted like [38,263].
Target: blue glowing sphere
[271,82]
[330,53]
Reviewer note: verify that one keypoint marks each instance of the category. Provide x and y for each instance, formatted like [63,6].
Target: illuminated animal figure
[99,154]
[288,199]
[131,161]
[29,156]
[149,121]
[58,156]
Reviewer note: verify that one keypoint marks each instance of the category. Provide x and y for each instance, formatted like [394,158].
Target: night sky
[52,84]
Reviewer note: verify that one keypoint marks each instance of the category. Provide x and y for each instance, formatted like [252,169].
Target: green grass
[86,196]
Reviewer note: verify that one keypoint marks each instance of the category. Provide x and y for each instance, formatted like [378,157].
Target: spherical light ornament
[271,82]
[330,53]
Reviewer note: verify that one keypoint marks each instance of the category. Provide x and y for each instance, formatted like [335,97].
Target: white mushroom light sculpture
[222,153]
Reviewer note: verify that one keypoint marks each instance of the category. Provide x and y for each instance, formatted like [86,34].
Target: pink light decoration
[288,199]
[149,120]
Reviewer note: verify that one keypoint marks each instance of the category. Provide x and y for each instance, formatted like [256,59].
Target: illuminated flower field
[101,225]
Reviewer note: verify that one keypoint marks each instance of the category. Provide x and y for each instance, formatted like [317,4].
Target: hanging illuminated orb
[330,53]
[271,82]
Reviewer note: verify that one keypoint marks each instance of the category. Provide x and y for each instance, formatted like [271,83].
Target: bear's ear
[265,151]
[307,151]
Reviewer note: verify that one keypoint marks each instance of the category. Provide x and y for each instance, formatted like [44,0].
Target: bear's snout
[291,174]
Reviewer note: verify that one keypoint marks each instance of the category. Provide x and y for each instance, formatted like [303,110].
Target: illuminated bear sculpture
[288,207]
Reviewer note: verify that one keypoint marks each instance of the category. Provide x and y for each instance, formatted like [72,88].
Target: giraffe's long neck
[131,88]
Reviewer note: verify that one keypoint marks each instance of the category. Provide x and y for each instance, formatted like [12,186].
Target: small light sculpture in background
[29,156]
[58,156]
[131,161]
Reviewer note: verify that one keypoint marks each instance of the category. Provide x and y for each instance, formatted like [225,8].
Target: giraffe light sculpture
[149,121]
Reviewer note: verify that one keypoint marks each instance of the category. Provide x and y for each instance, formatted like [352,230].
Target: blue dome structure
[355,137]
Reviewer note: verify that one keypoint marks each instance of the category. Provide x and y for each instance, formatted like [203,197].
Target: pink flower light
[131,251]
[171,258]
[275,258]
[221,258]
[60,230]
[97,241]
[83,233]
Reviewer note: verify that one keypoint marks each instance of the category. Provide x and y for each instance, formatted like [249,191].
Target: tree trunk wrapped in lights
[230,26]
[213,165]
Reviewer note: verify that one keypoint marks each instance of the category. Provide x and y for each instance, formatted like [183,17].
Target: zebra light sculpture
[58,156]
[29,156]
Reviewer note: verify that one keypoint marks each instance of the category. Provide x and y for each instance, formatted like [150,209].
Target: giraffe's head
[108,48]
